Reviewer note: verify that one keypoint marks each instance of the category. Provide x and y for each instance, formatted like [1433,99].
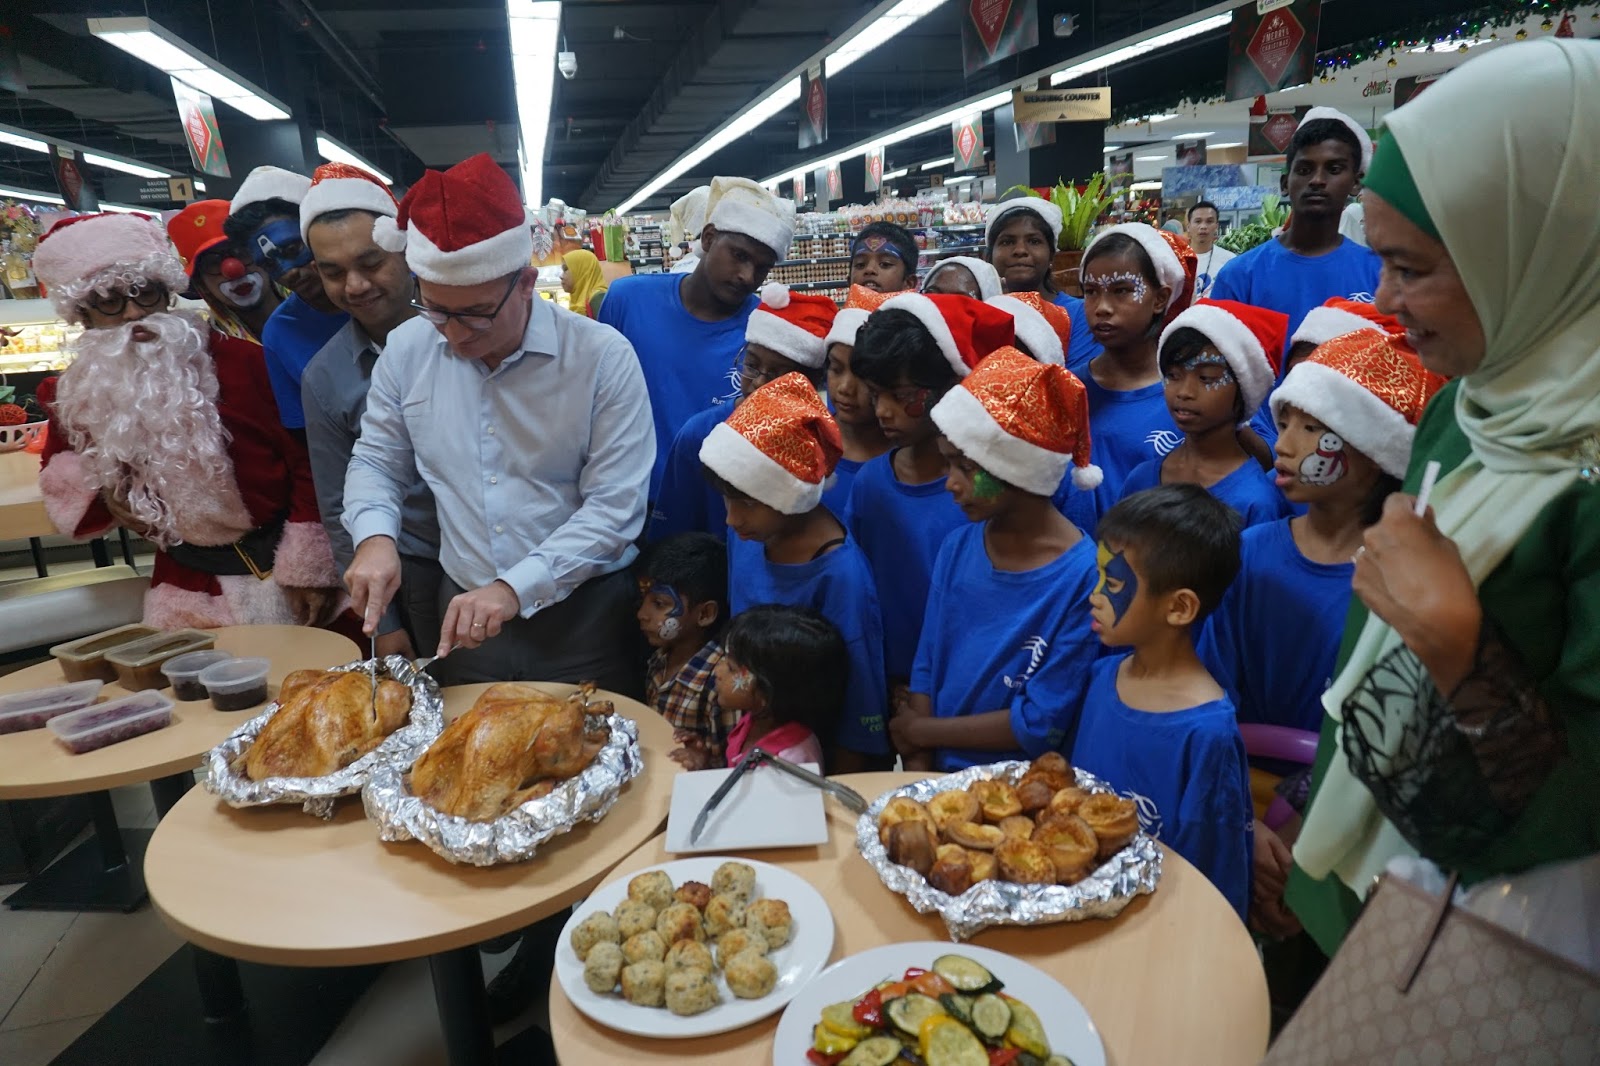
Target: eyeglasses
[753,373]
[115,302]
[478,323]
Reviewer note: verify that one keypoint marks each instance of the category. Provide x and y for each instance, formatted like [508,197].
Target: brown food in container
[84,659]
[139,664]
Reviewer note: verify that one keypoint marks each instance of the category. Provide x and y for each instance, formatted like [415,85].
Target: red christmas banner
[1272,45]
[874,168]
[992,30]
[966,142]
[1271,131]
[199,121]
[71,180]
[813,107]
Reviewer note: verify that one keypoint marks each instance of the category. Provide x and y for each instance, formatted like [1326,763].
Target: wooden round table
[104,874]
[275,885]
[22,514]
[1173,978]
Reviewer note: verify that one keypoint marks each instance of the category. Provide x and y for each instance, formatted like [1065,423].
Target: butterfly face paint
[278,247]
[1327,464]
[1118,583]
[985,486]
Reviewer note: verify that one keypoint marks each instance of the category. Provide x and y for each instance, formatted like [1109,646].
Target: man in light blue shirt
[532,427]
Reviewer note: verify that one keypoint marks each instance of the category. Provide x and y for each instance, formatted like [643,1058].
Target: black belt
[251,554]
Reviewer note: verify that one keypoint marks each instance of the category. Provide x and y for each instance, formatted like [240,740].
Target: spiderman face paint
[1327,464]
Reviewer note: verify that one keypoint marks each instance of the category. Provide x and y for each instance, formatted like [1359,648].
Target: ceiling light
[872,33]
[29,194]
[1112,147]
[1194,136]
[334,152]
[1227,144]
[535,26]
[112,163]
[1140,186]
[891,175]
[24,139]
[1151,158]
[147,40]
[1121,54]
[945,162]
[199,186]
[19,140]
[959,181]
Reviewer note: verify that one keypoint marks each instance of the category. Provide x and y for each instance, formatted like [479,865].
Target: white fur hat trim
[963,419]
[1235,343]
[1035,334]
[269,183]
[747,468]
[1363,421]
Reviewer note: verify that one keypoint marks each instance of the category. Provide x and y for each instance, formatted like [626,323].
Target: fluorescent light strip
[147,40]
[1159,118]
[872,33]
[535,29]
[29,194]
[112,163]
[1226,144]
[891,175]
[937,163]
[1121,54]
[335,152]
[199,186]
[1151,158]
[958,181]
[124,209]
[1112,147]
[26,139]
[18,140]
[1192,136]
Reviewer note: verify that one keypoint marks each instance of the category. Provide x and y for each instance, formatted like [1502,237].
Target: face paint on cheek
[670,626]
[917,405]
[985,486]
[278,248]
[1327,464]
[739,679]
[1118,583]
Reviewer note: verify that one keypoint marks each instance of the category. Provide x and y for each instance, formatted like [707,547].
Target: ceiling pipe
[310,20]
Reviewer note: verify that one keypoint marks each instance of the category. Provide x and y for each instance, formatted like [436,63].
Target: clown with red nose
[239,293]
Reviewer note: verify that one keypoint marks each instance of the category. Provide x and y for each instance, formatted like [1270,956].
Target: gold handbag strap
[1408,973]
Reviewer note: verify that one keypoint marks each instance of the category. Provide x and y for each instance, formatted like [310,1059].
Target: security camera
[567,63]
[1064,25]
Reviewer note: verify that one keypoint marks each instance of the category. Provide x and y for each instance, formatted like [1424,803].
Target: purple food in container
[112,722]
[32,709]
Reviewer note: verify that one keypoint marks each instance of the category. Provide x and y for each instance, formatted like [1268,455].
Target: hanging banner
[799,180]
[966,142]
[813,107]
[1191,153]
[1271,46]
[1062,105]
[1119,169]
[819,179]
[996,29]
[71,181]
[1033,134]
[1270,133]
[874,168]
[10,62]
[835,183]
[1405,89]
[199,123]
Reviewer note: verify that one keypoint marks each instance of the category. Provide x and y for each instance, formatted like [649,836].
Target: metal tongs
[756,757]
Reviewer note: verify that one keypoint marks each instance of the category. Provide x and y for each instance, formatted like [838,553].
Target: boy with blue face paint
[1155,724]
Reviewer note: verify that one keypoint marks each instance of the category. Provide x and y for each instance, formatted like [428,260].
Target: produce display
[1043,830]
[666,944]
[325,721]
[513,745]
[955,1013]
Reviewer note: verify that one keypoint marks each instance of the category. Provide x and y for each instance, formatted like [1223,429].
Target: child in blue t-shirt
[1006,645]
[770,460]
[1216,365]
[1155,725]
[859,431]
[911,352]
[785,335]
[1336,317]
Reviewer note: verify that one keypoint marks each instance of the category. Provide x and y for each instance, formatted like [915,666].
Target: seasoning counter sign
[1091,104]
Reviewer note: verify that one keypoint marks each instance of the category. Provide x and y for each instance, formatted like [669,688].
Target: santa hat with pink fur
[91,254]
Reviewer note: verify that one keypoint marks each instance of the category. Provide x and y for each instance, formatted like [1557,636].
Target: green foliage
[1078,210]
[1259,229]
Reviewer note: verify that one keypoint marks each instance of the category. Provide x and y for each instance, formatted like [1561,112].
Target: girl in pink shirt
[783,669]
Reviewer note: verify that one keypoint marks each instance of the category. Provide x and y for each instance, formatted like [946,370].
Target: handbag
[1421,980]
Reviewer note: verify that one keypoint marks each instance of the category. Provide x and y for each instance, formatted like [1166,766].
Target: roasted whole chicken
[514,744]
[325,722]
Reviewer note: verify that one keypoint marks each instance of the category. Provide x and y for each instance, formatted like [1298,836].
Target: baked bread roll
[903,809]
[911,845]
[973,835]
[957,805]
[952,870]
[1114,820]
[1018,825]
[997,799]
[984,868]
[1034,793]
[1071,845]
[1024,862]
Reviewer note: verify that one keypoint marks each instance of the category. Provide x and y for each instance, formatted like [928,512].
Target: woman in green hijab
[1464,721]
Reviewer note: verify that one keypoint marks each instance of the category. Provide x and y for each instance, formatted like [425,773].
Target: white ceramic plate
[766,809]
[1066,1023]
[797,961]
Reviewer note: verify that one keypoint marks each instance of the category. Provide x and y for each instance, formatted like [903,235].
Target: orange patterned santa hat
[779,446]
[1367,389]
[1023,421]
[1340,316]
[861,302]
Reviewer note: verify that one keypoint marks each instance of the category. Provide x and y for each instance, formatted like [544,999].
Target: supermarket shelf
[812,262]
[808,285]
[954,249]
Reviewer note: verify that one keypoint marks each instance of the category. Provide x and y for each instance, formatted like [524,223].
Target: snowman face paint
[1328,464]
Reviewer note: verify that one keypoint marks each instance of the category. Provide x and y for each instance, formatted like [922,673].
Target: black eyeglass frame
[468,319]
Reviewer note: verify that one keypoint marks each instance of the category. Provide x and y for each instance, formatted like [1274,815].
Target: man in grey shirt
[374,286]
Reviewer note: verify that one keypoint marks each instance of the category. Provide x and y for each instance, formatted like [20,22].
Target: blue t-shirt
[1249,490]
[1081,345]
[1270,275]
[686,502]
[1185,771]
[292,337]
[688,364]
[839,585]
[1006,640]
[836,497]
[900,529]
[1273,639]
[1126,428]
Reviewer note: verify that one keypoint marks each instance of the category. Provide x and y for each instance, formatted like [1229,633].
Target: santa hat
[96,253]
[1023,421]
[965,330]
[687,216]
[793,324]
[779,446]
[739,205]
[1032,330]
[983,273]
[1174,260]
[196,230]
[1329,114]
[1367,389]
[846,324]
[1037,204]
[342,187]
[464,226]
[1340,316]
[1249,338]
[868,299]
[269,183]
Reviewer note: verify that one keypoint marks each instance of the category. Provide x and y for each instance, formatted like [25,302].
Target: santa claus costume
[174,422]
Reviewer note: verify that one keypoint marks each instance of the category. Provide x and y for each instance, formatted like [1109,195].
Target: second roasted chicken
[511,746]
[325,722]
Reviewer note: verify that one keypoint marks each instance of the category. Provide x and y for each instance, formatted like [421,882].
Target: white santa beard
[142,415]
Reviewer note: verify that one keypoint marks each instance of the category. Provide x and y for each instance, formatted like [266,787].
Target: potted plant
[1079,210]
[1259,229]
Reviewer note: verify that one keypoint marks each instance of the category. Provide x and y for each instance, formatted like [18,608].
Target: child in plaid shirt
[683,582]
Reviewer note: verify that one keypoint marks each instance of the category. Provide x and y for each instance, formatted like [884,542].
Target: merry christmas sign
[995,29]
[1272,45]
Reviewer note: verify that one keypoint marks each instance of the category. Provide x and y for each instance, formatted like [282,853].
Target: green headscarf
[1390,177]
[1504,153]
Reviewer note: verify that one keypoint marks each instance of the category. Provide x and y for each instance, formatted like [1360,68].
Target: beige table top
[32,764]
[275,885]
[22,512]
[1173,979]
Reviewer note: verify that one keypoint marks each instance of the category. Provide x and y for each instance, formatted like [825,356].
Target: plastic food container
[31,710]
[138,664]
[84,659]
[238,684]
[112,722]
[184,673]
